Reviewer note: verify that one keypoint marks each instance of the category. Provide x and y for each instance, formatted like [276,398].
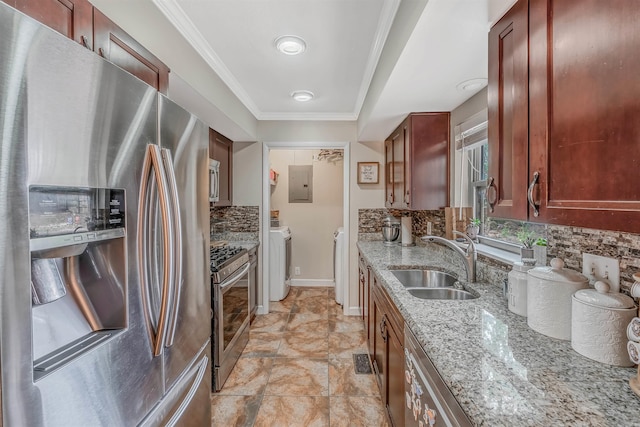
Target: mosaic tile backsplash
[370,221]
[568,243]
[235,223]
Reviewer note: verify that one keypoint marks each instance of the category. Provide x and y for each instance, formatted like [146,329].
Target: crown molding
[387,15]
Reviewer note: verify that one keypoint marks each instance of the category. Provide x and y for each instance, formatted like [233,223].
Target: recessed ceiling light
[302,95]
[471,85]
[290,45]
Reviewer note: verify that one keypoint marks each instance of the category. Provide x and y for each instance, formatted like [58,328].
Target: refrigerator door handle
[153,164]
[176,258]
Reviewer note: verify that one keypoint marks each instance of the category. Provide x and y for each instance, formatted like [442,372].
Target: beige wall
[247,174]
[362,196]
[312,224]
[306,132]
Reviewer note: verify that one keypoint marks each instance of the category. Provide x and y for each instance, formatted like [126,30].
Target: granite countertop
[502,372]
[245,244]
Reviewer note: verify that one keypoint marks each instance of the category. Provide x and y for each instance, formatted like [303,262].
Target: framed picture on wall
[368,172]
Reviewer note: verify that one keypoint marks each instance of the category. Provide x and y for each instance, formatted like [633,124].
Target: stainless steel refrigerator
[104,237]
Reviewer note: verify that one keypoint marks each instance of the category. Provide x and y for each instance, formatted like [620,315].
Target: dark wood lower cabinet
[370,320]
[388,353]
[379,357]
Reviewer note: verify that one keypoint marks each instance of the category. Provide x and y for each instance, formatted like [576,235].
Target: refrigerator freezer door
[186,140]
[69,118]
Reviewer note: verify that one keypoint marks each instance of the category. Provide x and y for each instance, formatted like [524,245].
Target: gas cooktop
[224,260]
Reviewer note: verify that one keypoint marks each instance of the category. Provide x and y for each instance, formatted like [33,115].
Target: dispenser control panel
[77,213]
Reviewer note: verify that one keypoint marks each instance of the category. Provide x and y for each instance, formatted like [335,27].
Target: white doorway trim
[266,207]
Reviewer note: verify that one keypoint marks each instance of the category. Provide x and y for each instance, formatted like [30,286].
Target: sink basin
[441,293]
[424,278]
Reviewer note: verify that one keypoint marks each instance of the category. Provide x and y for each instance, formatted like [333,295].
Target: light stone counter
[502,372]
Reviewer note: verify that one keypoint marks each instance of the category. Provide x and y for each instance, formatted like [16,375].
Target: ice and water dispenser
[78,271]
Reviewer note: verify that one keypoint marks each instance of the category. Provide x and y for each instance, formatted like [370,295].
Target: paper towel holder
[406,235]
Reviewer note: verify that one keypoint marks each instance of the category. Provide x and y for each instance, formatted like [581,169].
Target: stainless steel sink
[432,284]
[424,278]
[441,293]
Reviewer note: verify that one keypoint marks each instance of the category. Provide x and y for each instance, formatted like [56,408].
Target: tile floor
[297,369]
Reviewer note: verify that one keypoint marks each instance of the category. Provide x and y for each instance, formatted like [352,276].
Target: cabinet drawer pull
[533,183]
[491,188]
[383,329]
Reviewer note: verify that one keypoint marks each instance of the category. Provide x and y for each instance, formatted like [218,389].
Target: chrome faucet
[470,255]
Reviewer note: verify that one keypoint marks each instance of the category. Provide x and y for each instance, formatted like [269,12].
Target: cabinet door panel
[221,149]
[72,18]
[380,348]
[584,127]
[396,399]
[508,114]
[115,45]
[427,186]
[371,321]
[388,173]
[398,167]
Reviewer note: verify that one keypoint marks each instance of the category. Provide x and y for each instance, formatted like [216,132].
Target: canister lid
[557,273]
[521,266]
[601,297]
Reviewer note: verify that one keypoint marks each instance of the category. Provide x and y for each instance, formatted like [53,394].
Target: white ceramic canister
[517,291]
[549,291]
[599,319]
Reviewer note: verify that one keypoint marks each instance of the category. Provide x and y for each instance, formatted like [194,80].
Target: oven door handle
[231,280]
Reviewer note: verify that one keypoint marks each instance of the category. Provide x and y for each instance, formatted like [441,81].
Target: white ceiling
[426,57]
[344,40]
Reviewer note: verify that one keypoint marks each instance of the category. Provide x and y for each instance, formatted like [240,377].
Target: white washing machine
[338,257]
[279,263]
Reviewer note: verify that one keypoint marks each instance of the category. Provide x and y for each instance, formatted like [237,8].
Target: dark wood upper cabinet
[73,18]
[80,21]
[221,149]
[114,44]
[417,174]
[584,109]
[508,113]
[571,124]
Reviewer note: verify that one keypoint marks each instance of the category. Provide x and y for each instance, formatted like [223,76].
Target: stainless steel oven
[230,305]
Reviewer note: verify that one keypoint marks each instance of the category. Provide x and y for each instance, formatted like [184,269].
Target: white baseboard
[354,311]
[312,283]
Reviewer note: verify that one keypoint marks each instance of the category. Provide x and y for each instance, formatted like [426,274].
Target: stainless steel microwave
[214,180]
